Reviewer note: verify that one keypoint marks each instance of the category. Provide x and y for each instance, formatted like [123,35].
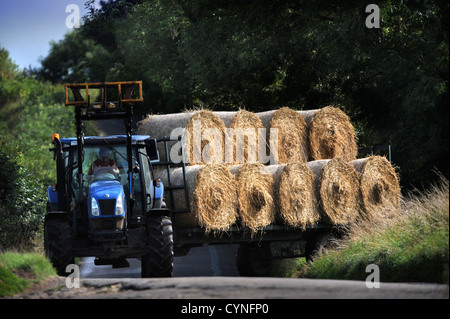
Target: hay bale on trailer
[296,196]
[291,142]
[251,144]
[380,188]
[245,126]
[203,134]
[338,190]
[331,135]
[255,185]
[212,194]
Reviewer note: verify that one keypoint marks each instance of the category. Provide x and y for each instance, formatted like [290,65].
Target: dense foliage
[30,112]
[21,203]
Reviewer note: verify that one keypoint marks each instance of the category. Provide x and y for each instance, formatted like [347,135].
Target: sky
[28,26]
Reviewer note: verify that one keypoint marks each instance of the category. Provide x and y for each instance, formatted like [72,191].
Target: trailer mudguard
[158,190]
[158,194]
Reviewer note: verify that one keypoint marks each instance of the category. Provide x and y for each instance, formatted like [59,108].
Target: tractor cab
[105,186]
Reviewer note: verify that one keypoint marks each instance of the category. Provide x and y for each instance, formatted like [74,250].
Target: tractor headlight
[95,211]
[119,205]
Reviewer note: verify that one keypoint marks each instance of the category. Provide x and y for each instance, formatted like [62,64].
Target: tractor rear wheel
[158,262]
[58,242]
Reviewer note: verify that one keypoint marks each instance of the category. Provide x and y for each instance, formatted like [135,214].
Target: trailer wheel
[253,260]
[158,262]
[318,244]
[58,242]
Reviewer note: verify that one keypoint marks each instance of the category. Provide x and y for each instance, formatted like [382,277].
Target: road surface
[255,290]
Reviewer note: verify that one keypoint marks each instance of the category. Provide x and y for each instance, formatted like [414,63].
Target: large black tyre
[254,260]
[58,242]
[318,244]
[158,262]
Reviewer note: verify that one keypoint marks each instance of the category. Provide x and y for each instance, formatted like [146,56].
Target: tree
[75,59]
[8,72]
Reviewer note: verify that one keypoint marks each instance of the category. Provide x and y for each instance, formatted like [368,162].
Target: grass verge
[19,271]
[413,248]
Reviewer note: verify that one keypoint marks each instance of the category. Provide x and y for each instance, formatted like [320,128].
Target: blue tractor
[105,202]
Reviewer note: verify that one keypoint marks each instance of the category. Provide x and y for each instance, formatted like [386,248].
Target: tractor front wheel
[58,242]
[158,262]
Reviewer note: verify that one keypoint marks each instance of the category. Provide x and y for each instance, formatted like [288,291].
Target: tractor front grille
[109,223]
[107,206]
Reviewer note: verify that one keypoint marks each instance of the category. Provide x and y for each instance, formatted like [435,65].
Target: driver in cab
[103,164]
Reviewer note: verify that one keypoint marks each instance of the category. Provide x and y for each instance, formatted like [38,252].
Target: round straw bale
[380,188]
[331,135]
[296,194]
[255,195]
[209,147]
[338,190]
[292,136]
[212,195]
[244,126]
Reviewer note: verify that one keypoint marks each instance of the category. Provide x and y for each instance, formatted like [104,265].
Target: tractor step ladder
[169,164]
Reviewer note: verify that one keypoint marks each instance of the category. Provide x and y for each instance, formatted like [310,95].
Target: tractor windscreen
[104,163]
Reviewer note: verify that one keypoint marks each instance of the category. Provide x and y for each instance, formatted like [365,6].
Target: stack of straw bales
[299,136]
[314,177]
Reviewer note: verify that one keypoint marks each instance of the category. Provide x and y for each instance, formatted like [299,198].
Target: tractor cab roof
[98,140]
